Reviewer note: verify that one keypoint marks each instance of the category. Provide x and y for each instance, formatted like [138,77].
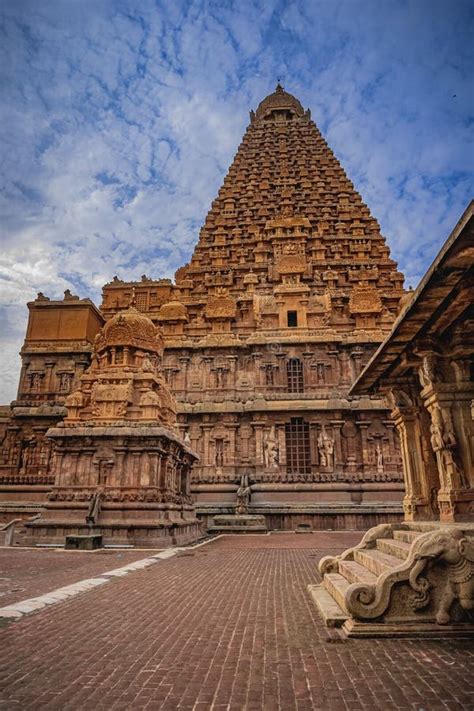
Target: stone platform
[243,523]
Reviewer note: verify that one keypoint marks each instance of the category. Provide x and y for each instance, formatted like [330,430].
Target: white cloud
[121,117]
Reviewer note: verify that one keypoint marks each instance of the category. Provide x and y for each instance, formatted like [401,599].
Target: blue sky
[119,119]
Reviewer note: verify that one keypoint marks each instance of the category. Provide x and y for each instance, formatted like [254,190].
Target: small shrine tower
[120,468]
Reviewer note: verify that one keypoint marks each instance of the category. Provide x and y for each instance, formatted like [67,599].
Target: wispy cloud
[120,118]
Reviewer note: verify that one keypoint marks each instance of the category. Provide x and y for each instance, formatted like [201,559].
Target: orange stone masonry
[288,293]
[120,469]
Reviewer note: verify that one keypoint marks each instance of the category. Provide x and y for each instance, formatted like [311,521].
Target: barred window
[298,453]
[294,371]
[141,301]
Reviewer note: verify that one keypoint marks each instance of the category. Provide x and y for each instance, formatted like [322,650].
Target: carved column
[258,428]
[336,428]
[363,425]
[419,485]
[280,432]
[446,394]
[184,364]
[206,457]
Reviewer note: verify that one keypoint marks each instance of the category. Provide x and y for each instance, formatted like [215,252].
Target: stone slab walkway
[228,626]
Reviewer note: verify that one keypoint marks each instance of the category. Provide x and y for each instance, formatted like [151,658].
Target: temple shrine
[289,292]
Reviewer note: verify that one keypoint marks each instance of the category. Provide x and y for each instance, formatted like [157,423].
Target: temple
[289,292]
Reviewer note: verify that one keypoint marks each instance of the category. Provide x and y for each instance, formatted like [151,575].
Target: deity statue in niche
[147,364]
[35,381]
[379,458]
[270,449]
[219,452]
[326,448]
[65,380]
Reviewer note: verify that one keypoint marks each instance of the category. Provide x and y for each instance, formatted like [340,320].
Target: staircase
[377,588]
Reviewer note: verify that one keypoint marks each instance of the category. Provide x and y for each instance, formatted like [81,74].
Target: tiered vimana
[289,291]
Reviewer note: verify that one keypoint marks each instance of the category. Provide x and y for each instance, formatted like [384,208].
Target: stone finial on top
[279,100]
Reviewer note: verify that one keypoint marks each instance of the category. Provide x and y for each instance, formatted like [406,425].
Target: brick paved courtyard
[26,572]
[227,626]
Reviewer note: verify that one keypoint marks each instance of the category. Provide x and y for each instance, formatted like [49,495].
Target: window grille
[298,453]
[294,370]
[141,301]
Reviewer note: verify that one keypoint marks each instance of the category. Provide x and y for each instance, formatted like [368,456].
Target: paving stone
[27,573]
[232,627]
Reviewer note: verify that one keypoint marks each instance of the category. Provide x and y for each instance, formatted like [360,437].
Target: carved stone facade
[288,293]
[119,465]
[426,371]
[409,578]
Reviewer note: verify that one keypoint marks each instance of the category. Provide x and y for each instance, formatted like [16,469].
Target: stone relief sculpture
[325,448]
[443,441]
[243,496]
[94,507]
[427,371]
[270,449]
[379,458]
[455,552]
[438,572]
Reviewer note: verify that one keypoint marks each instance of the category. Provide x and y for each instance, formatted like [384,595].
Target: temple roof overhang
[445,295]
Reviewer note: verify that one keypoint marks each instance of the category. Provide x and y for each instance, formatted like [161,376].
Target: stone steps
[355,572]
[376,561]
[399,549]
[366,567]
[330,611]
[407,536]
[336,585]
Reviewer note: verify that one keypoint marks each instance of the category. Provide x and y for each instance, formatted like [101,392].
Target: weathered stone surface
[245,523]
[121,470]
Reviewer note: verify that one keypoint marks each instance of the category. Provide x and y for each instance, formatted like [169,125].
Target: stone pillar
[245,433]
[232,360]
[363,426]
[313,443]
[231,458]
[280,432]
[184,365]
[206,456]
[336,428]
[48,379]
[420,487]
[447,393]
[258,428]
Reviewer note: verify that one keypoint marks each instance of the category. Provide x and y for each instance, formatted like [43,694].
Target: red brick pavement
[228,626]
[26,572]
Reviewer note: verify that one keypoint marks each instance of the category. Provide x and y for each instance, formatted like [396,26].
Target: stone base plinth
[234,523]
[319,517]
[83,543]
[147,527]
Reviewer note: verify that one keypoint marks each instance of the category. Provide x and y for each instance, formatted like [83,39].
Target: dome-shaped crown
[280,99]
[130,328]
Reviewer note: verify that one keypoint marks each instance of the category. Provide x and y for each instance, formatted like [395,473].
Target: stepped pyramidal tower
[289,291]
